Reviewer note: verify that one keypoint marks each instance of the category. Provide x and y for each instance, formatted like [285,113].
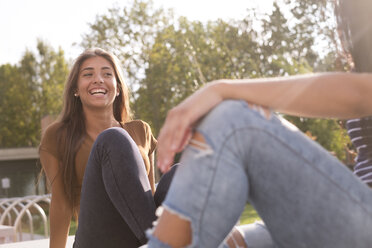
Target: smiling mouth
[98,92]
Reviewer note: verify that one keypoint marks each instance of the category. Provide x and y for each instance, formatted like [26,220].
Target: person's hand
[177,128]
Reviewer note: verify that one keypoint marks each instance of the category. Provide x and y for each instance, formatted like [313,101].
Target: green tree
[128,32]
[330,133]
[52,71]
[295,48]
[187,55]
[18,111]
[31,89]
[166,59]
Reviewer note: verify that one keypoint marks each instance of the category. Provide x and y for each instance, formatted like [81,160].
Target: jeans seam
[215,168]
[233,133]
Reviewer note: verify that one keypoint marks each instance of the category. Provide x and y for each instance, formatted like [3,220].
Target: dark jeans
[117,205]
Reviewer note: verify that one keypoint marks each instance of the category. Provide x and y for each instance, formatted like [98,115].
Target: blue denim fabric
[305,196]
[256,235]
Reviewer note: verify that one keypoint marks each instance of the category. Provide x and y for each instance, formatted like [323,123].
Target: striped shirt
[360,132]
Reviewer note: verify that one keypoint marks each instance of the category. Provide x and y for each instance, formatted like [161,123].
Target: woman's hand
[177,128]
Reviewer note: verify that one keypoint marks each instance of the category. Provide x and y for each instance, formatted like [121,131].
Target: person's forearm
[339,95]
[334,95]
[151,175]
[59,226]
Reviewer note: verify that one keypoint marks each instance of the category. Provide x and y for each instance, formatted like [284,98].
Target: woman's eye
[87,74]
[108,74]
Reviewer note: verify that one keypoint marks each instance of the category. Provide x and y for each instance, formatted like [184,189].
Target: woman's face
[96,86]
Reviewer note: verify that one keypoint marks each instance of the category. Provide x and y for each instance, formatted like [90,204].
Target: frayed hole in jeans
[235,239]
[264,111]
[159,211]
[175,212]
[173,228]
[198,141]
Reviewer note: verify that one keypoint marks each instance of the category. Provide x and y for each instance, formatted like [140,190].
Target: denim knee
[228,117]
[111,134]
[115,139]
[117,145]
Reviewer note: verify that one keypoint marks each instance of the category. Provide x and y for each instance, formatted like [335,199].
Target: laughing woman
[95,134]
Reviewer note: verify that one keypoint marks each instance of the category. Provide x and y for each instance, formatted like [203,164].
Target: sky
[62,23]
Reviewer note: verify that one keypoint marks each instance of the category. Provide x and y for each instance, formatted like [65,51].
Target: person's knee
[233,108]
[224,116]
[225,110]
[231,116]
[118,143]
[110,133]
[113,135]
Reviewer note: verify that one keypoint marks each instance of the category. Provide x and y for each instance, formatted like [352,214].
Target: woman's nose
[98,79]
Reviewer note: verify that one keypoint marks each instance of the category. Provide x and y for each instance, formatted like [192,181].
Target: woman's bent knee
[228,118]
[113,133]
[116,139]
[118,145]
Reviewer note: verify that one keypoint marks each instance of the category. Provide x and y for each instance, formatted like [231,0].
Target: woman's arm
[151,173]
[326,95]
[60,211]
[339,95]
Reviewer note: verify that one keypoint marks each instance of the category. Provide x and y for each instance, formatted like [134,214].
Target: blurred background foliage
[166,58]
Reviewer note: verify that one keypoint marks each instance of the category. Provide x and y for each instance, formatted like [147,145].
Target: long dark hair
[72,130]
[355,32]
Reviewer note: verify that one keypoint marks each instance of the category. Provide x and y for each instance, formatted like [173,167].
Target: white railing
[13,211]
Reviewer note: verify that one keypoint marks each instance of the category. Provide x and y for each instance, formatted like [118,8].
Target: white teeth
[97,91]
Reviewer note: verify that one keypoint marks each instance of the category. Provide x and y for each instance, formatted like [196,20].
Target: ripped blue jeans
[305,196]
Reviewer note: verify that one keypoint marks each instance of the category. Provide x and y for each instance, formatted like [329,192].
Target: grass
[249,215]
[73,227]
